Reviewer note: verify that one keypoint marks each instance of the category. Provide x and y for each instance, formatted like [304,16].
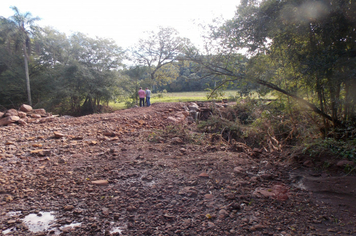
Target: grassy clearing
[183,97]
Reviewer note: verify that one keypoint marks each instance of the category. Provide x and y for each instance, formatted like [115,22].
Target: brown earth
[137,172]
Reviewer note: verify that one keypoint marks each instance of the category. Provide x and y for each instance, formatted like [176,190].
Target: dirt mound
[139,172]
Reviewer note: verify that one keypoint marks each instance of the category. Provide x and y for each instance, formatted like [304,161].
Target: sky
[124,21]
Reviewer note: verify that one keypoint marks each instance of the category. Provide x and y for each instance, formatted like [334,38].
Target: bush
[261,123]
[130,103]
[339,148]
[160,95]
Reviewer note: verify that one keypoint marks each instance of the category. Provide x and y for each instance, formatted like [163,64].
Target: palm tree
[19,29]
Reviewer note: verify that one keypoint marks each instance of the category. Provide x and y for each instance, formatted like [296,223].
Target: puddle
[44,221]
[39,222]
[115,229]
[298,180]
[300,185]
[72,225]
[151,183]
[7,231]
[13,213]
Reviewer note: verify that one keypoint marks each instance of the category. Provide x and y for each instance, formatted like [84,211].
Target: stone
[47,119]
[58,134]
[204,175]
[177,140]
[209,196]
[2,114]
[41,152]
[77,156]
[68,207]
[223,214]
[343,163]
[193,107]
[257,227]
[105,211]
[109,133]
[22,114]
[260,192]
[172,119]
[181,115]
[41,112]
[45,152]
[11,112]
[211,224]
[257,150]
[238,169]
[188,191]
[183,150]
[131,208]
[280,192]
[8,198]
[25,108]
[102,182]
[8,120]
[36,116]
[93,142]
[230,196]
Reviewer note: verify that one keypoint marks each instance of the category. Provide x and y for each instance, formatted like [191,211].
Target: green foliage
[306,55]
[75,75]
[339,148]
[160,95]
[158,51]
[82,84]
[271,124]
[215,93]
[17,32]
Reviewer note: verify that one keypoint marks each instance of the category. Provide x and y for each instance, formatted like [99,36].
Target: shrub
[160,95]
[271,124]
[338,148]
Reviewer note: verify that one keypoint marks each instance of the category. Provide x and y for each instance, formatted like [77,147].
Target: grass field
[180,97]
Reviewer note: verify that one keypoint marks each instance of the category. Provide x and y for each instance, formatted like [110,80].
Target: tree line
[302,49]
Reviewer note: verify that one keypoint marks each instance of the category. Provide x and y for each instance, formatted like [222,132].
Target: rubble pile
[26,114]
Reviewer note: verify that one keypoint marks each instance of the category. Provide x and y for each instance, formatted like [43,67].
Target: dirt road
[137,172]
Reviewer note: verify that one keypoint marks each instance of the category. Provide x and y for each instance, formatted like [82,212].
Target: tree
[136,76]
[89,75]
[20,29]
[157,51]
[305,46]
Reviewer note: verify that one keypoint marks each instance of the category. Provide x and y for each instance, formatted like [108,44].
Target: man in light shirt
[148,97]
[142,95]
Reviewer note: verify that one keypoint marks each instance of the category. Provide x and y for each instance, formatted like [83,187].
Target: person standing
[142,95]
[148,97]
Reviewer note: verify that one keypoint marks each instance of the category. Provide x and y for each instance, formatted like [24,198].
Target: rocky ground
[137,172]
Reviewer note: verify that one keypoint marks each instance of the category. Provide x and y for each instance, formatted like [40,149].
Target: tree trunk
[27,77]
[347,102]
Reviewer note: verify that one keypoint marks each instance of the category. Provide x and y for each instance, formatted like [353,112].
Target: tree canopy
[303,49]
[158,51]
